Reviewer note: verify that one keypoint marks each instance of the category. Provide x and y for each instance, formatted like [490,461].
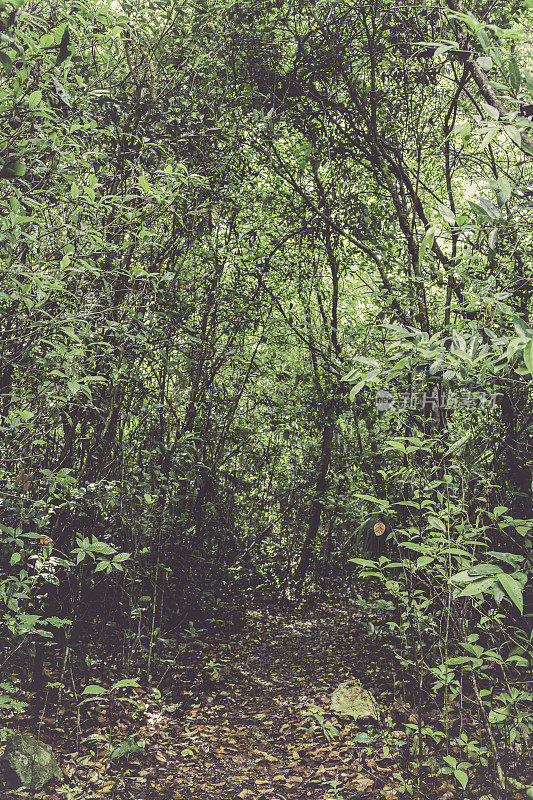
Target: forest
[266,371]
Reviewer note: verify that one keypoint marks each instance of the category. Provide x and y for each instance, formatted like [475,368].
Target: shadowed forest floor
[246,715]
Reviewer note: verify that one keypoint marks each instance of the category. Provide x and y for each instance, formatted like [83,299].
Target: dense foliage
[225,226]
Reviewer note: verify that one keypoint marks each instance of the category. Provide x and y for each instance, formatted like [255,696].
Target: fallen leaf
[361,784]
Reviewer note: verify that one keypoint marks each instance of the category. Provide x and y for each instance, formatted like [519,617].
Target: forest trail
[236,715]
[247,735]
[245,715]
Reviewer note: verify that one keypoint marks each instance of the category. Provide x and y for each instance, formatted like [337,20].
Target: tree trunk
[316,505]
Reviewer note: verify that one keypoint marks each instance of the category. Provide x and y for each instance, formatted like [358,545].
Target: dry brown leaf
[361,784]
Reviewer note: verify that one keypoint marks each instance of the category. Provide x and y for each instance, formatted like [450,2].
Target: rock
[28,763]
[350,699]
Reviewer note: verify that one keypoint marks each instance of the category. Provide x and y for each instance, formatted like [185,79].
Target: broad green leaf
[35,98]
[490,111]
[528,356]
[94,689]
[14,168]
[435,522]
[29,620]
[121,557]
[484,40]
[498,715]
[446,213]
[514,134]
[392,445]
[513,590]
[485,569]
[477,587]
[126,682]
[6,63]
[485,62]
[499,510]
[515,77]
[461,776]
[489,136]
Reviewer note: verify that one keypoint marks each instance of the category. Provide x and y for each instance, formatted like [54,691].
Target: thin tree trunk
[316,505]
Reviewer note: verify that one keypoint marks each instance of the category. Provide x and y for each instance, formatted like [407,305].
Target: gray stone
[28,763]
[351,699]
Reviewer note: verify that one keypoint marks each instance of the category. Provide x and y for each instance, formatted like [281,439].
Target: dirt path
[249,737]
[245,716]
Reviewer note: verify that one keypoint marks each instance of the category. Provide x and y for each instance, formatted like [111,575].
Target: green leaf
[35,98]
[490,111]
[64,49]
[373,499]
[426,244]
[529,81]
[126,682]
[485,569]
[13,168]
[392,445]
[121,557]
[515,77]
[528,356]
[356,389]
[477,587]
[489,136]
[499,510]
[513,134]
[461,776]
[513,590]
[485,62]
[435,522]
[498,715]
[6,63]
[446,213]
[484,40]
[350,375]
[94,689]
